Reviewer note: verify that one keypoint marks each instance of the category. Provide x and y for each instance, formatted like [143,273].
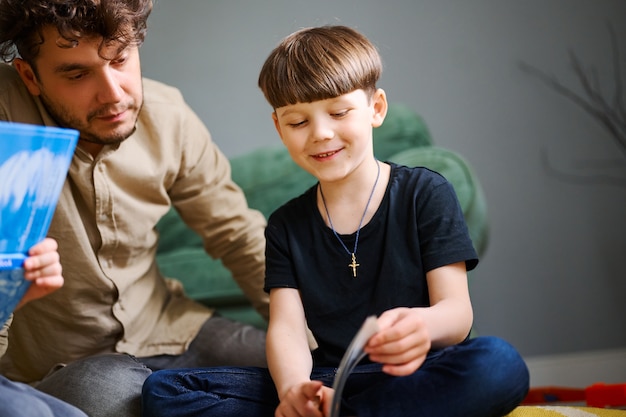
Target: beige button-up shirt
[114,298]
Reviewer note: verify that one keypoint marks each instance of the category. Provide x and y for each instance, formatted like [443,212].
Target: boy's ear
[379,107]
[277,125]
[27,74]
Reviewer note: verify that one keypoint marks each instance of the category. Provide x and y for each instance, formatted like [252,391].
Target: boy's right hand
[308,399]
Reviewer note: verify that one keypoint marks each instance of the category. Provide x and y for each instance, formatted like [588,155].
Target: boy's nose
[322,131]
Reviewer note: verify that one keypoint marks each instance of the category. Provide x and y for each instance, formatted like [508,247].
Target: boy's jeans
[480,377]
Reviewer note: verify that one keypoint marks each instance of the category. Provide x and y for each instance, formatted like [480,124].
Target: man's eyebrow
[61,68]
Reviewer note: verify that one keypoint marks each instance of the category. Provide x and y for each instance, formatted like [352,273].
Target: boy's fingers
[311,390]
[387,319]
[402,369]
[43,260]
[46,245]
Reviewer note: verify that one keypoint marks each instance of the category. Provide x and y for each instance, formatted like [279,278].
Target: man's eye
[297,124]
[76,76]
[119,61]
[340,113]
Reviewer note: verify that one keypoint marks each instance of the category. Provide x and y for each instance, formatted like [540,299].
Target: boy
[371,238]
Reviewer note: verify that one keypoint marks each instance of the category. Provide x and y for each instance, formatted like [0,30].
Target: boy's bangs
[319,78]
[309,87]
[317,64]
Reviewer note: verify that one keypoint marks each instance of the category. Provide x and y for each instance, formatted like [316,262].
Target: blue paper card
[34,161]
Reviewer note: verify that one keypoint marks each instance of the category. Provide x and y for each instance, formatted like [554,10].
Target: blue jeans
[110,385]
[21,400]
[480,377]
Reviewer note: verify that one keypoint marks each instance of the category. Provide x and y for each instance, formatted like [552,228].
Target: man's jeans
[481,377]
[21,400]
[110,385]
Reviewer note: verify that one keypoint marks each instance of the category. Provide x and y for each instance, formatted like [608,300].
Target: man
[141,150]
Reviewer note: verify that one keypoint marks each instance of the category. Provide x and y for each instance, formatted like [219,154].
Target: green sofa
[269,178]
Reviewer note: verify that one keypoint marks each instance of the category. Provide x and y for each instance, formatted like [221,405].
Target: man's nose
[110,89]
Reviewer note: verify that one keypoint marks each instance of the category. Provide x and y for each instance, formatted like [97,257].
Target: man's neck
[93,148]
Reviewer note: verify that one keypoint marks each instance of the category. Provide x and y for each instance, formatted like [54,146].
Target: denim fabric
[220,342]
[110,385]
[482,377]
[103,386]
[21,400]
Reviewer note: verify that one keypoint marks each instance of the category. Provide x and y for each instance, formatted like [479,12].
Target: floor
[566,376]
[578,370]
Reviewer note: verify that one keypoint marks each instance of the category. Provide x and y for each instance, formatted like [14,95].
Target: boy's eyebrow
[285,112]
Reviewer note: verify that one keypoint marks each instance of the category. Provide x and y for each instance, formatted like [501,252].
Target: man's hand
[43,268]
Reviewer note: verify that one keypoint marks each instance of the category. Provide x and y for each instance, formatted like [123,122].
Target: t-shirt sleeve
[278,267]
[444,236]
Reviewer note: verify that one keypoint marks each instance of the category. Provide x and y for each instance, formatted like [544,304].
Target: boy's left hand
[402,342]
[309,399]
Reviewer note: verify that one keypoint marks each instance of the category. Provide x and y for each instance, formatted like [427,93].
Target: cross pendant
[353,265]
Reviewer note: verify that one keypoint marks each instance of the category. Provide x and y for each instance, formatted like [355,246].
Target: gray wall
[553,279]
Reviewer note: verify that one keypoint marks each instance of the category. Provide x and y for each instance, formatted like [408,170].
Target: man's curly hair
[22,21]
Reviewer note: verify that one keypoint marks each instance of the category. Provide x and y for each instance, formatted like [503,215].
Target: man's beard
[65,119]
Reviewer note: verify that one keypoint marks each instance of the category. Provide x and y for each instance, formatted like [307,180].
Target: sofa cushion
[402,129]
[269,178]
[207,281]
[466,185]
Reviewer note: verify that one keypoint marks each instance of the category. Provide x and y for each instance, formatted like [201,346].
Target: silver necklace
[352,264]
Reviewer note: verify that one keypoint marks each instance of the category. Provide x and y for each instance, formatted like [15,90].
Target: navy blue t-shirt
[419,226]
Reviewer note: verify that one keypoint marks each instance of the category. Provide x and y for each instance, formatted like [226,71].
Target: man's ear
[27,74]
[379,106]
[277,125]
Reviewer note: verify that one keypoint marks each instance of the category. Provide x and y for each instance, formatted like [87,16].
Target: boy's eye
[341,113]
[296,124]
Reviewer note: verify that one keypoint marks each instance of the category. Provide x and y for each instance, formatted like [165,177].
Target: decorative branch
[600,179]
[612,116]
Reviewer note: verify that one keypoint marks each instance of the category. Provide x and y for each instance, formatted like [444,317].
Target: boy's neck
[346,200]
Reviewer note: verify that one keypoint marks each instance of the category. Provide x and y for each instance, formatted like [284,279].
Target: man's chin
[112,138]
[100,140]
